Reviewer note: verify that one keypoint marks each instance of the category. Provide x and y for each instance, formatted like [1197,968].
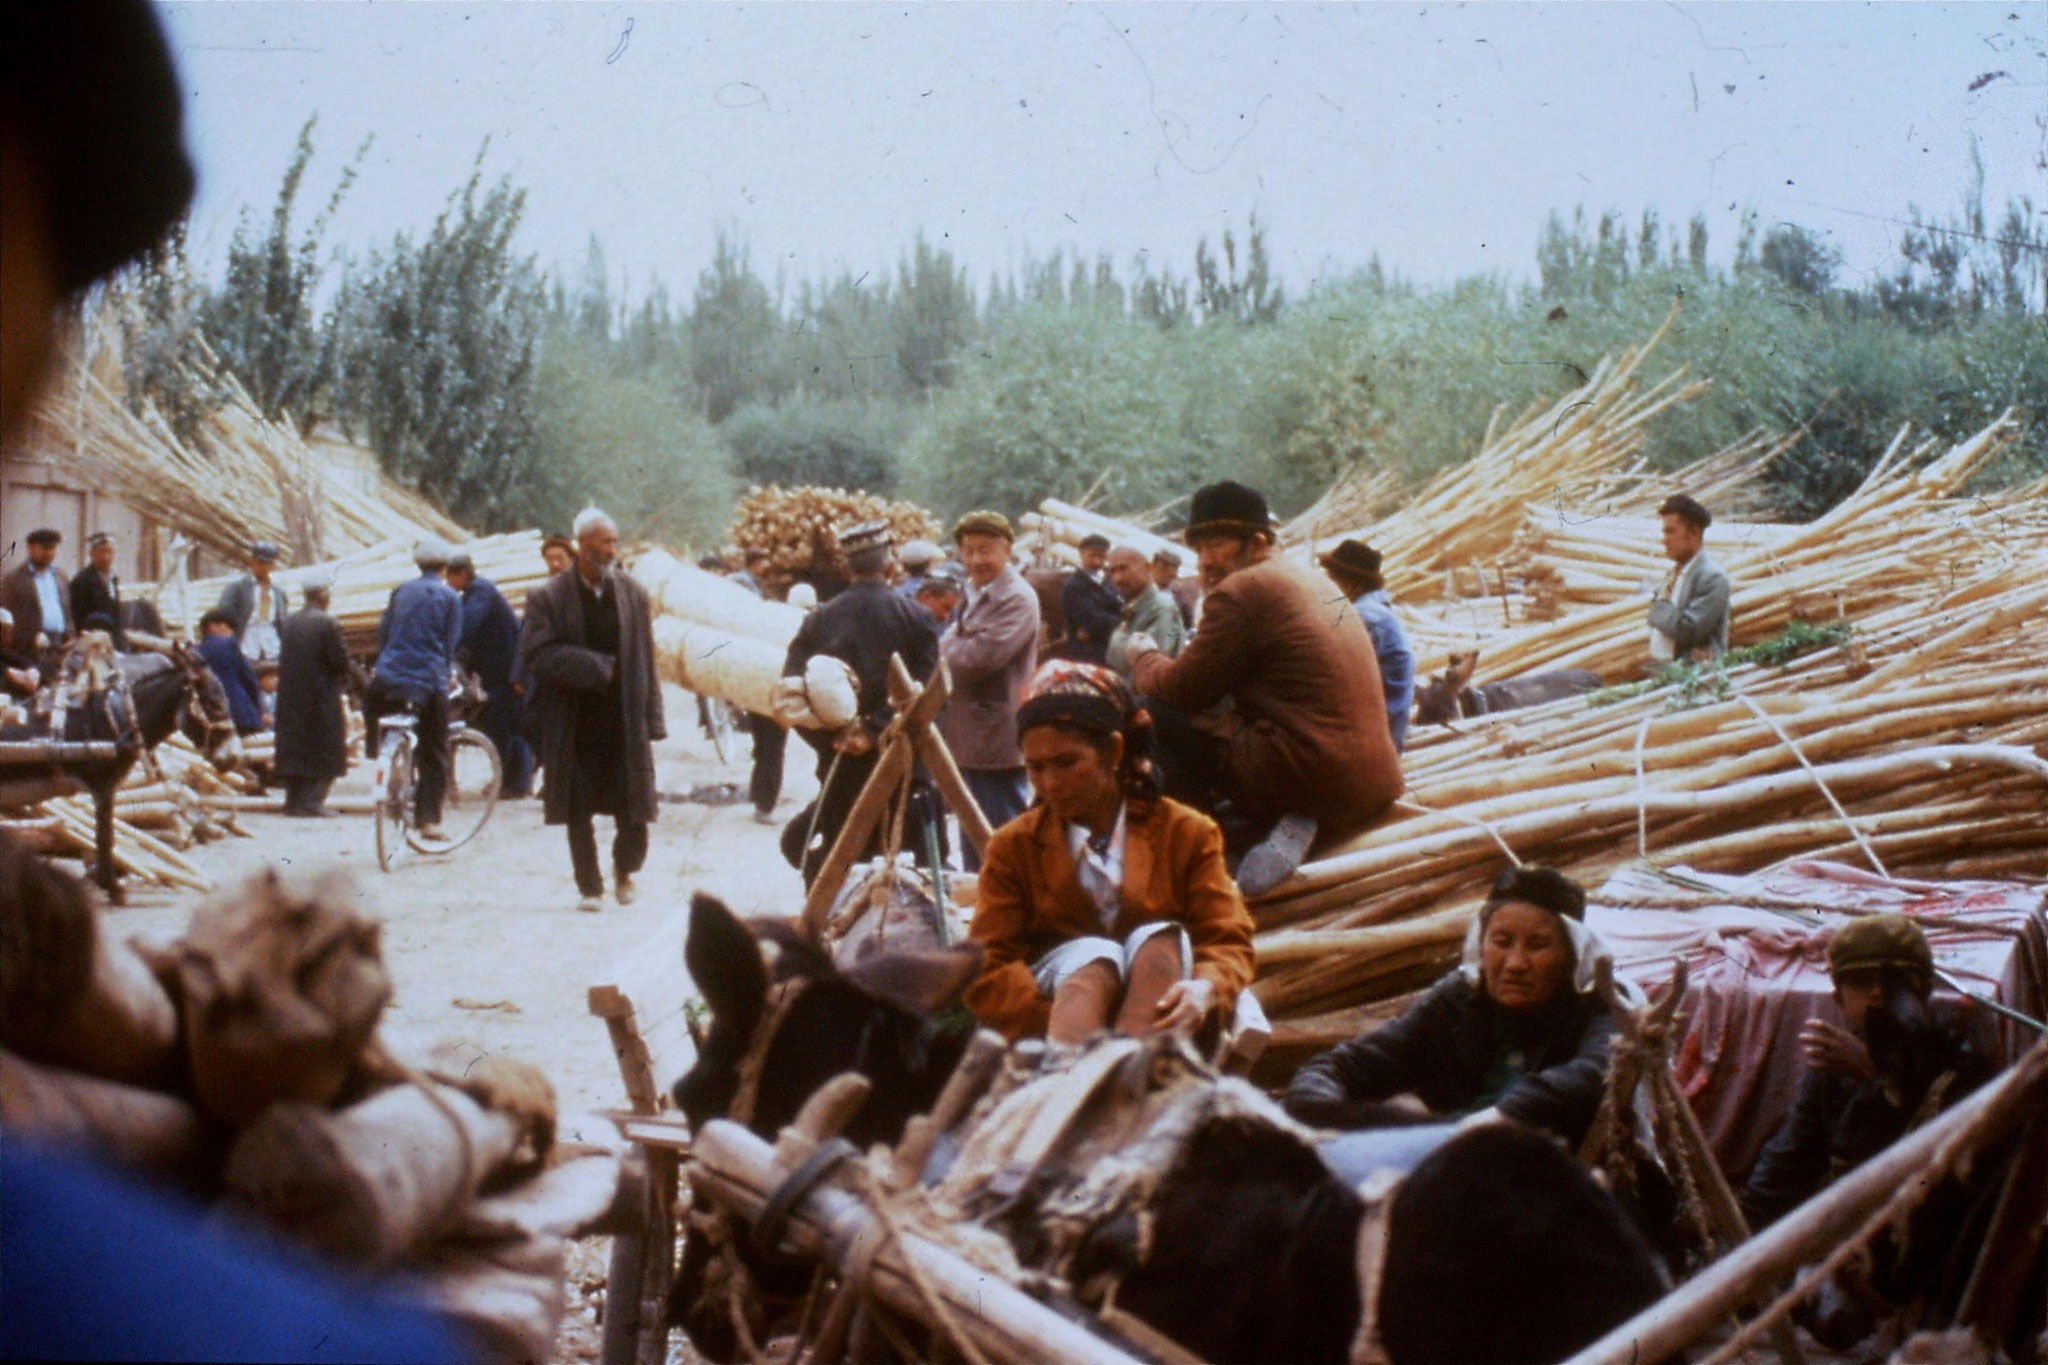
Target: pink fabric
[1756,975]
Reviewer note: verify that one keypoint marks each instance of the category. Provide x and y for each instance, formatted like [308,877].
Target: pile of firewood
[241,1065]
[798,527]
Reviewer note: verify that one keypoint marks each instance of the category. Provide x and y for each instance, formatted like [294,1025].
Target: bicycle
[720,721]
[475,771]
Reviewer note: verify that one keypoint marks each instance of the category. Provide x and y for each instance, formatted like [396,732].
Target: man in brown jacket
[1303,748]
[991,648]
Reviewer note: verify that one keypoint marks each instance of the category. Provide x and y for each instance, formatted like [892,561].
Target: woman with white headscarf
[1515,1030]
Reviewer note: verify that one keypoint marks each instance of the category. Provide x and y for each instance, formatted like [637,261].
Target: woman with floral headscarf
[1105,905]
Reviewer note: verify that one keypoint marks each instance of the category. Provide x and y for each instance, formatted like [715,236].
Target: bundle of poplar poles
[235,477]
[1911,741]
[799,526]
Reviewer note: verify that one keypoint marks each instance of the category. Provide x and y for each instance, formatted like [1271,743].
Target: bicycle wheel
[394,804]
[474,772]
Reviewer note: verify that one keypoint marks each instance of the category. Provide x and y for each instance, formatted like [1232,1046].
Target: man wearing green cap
[1888,1066]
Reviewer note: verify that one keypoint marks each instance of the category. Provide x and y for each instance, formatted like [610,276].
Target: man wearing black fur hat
[1689,614]
[1273,717]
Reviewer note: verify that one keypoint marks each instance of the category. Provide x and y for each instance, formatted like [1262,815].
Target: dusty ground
[486,946]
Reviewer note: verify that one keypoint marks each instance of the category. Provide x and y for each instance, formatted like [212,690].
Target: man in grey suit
[1689,614]
[257,606]
[991,648]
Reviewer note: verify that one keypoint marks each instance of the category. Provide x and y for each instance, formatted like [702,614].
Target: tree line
[511,394]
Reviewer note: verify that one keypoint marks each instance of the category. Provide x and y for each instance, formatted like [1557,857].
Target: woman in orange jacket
[1105,905]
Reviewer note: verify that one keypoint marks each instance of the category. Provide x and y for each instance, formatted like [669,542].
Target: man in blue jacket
[490,645]
[416,644]
[237,679]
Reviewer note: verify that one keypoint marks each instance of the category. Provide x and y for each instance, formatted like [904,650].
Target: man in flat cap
[1896,1059]
[1355,568]
[1869,1076]
[1185,592]
[416,641]
[861,627]
[917,558]
[255,605]
[991,648]
[96,590]
[38,593]
[1302,750]
[1689,614]
[1090,605]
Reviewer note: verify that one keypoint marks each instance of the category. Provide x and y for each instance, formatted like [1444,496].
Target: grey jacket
[991,649]
[238,600]
[1697,621]
[1151,613]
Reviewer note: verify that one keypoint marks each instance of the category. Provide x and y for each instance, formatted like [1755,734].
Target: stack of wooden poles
[238,479]
[1914,745]
[362,582]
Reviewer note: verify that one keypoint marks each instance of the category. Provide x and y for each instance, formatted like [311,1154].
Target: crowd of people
[1183,744]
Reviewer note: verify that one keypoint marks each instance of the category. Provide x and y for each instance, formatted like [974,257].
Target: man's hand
[1184,1006]
[854,741]
[1830,1047]
[24,678]
[1141,643]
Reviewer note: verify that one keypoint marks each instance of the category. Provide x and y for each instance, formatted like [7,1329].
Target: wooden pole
[142,1128]
[738,1169]
[1675,1321]
[373,1182]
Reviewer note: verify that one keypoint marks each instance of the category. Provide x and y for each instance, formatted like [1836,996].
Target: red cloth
[1757,974]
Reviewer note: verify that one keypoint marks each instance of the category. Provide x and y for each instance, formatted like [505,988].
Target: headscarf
[1093,701]
[1547,889]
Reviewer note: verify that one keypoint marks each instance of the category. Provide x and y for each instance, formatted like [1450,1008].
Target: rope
[871,1195]
[1854,832]
[1462,818]
[1642,794]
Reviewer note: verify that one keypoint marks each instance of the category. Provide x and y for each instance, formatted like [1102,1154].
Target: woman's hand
[1185,1005]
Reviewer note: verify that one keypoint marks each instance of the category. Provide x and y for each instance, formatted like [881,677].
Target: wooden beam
[736,1168]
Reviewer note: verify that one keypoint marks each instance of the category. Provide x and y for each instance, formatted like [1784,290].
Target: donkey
[1252,1247]
[1450,694]
[179,691]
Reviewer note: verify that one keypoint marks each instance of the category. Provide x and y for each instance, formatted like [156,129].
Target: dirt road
[486,947]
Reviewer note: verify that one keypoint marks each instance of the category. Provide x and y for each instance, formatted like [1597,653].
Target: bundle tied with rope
[242,1063]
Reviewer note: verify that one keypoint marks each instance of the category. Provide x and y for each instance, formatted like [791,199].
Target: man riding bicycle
[415,659]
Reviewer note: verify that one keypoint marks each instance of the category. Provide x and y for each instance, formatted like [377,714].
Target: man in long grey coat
[991,649]
[312,735]
[588,649]
[1689,614]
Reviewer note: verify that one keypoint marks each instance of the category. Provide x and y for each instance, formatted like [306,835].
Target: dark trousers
[764,787]
[306,793]
[430,750]
[806,851]
[629,852]
[808,838]
[1190,761]
[1002,794]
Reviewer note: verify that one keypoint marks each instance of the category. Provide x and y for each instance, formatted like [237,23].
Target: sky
[827,135]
